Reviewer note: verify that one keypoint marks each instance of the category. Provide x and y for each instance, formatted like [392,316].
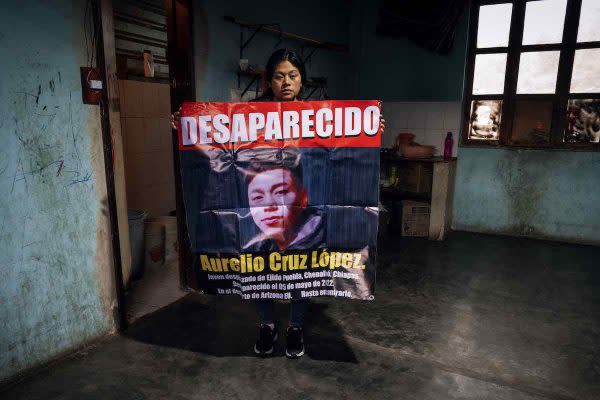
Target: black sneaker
[294,346]
[266,339]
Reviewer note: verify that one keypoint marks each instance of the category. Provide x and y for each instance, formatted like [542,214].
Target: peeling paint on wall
[56,289]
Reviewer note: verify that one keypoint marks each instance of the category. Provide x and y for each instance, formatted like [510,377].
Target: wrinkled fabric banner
[281,199]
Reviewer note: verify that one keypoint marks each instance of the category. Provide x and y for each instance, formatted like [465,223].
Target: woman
[286,76]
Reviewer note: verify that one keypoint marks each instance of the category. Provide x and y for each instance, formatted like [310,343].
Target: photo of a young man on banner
[285,194]
[278,198]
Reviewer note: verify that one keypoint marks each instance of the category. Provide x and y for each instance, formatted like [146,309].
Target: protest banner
[281,198]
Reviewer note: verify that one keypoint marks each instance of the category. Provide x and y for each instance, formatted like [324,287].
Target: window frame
[559,99]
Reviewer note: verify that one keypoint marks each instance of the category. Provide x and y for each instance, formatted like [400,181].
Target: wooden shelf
[257,77]
[313,83]
[274,28]
[440,198]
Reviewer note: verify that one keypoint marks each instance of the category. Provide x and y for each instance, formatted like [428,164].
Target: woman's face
[275,201]
[286,82]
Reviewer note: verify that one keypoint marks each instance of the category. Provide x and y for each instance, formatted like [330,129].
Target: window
[533,74]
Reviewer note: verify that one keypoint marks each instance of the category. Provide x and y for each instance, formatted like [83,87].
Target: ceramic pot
[403,139]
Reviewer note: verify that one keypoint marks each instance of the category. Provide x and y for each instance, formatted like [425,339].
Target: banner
[281,199]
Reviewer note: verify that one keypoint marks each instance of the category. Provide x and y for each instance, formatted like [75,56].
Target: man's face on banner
[276,200]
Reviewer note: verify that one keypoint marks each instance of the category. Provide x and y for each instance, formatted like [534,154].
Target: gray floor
[474,317]
[157,288]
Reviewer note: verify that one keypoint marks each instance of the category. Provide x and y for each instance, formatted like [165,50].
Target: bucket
[135,220]
[154,244]
[170,225]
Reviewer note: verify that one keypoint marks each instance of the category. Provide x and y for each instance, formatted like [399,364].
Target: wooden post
[113,153]
[181,70]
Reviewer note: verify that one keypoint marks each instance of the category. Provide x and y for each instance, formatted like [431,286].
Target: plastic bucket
[135,220]
[154,244]
[170,225]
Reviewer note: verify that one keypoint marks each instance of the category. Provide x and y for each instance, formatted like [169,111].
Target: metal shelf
[313,83]
[276,28]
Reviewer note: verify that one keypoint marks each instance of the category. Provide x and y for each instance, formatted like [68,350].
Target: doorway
[152,279]
[144,86]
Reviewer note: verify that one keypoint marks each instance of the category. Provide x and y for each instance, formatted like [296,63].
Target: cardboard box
[415,218]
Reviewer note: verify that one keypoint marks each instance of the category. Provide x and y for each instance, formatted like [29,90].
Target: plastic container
[170,225]
[448,144]
[154,244]
[148,64]
[135,220]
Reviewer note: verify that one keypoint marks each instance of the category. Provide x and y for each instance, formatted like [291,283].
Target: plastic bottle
[448,143]
[148,64]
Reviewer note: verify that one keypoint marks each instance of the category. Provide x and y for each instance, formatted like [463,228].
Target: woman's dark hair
[276,58]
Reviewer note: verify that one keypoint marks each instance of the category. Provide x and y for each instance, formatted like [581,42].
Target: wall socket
[91,85]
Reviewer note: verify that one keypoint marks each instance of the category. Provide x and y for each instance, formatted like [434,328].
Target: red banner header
[332,123]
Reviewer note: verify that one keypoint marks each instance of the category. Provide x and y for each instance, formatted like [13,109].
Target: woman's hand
[175,118]
[381,120]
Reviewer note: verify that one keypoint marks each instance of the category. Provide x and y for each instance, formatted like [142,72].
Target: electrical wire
[91,32]
[85,32]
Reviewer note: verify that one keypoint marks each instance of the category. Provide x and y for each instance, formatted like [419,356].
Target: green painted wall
[397,69]
[216,42]
[546,194]
[55,290]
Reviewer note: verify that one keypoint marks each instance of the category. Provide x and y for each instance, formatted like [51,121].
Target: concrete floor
[157,288]
[474,317]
